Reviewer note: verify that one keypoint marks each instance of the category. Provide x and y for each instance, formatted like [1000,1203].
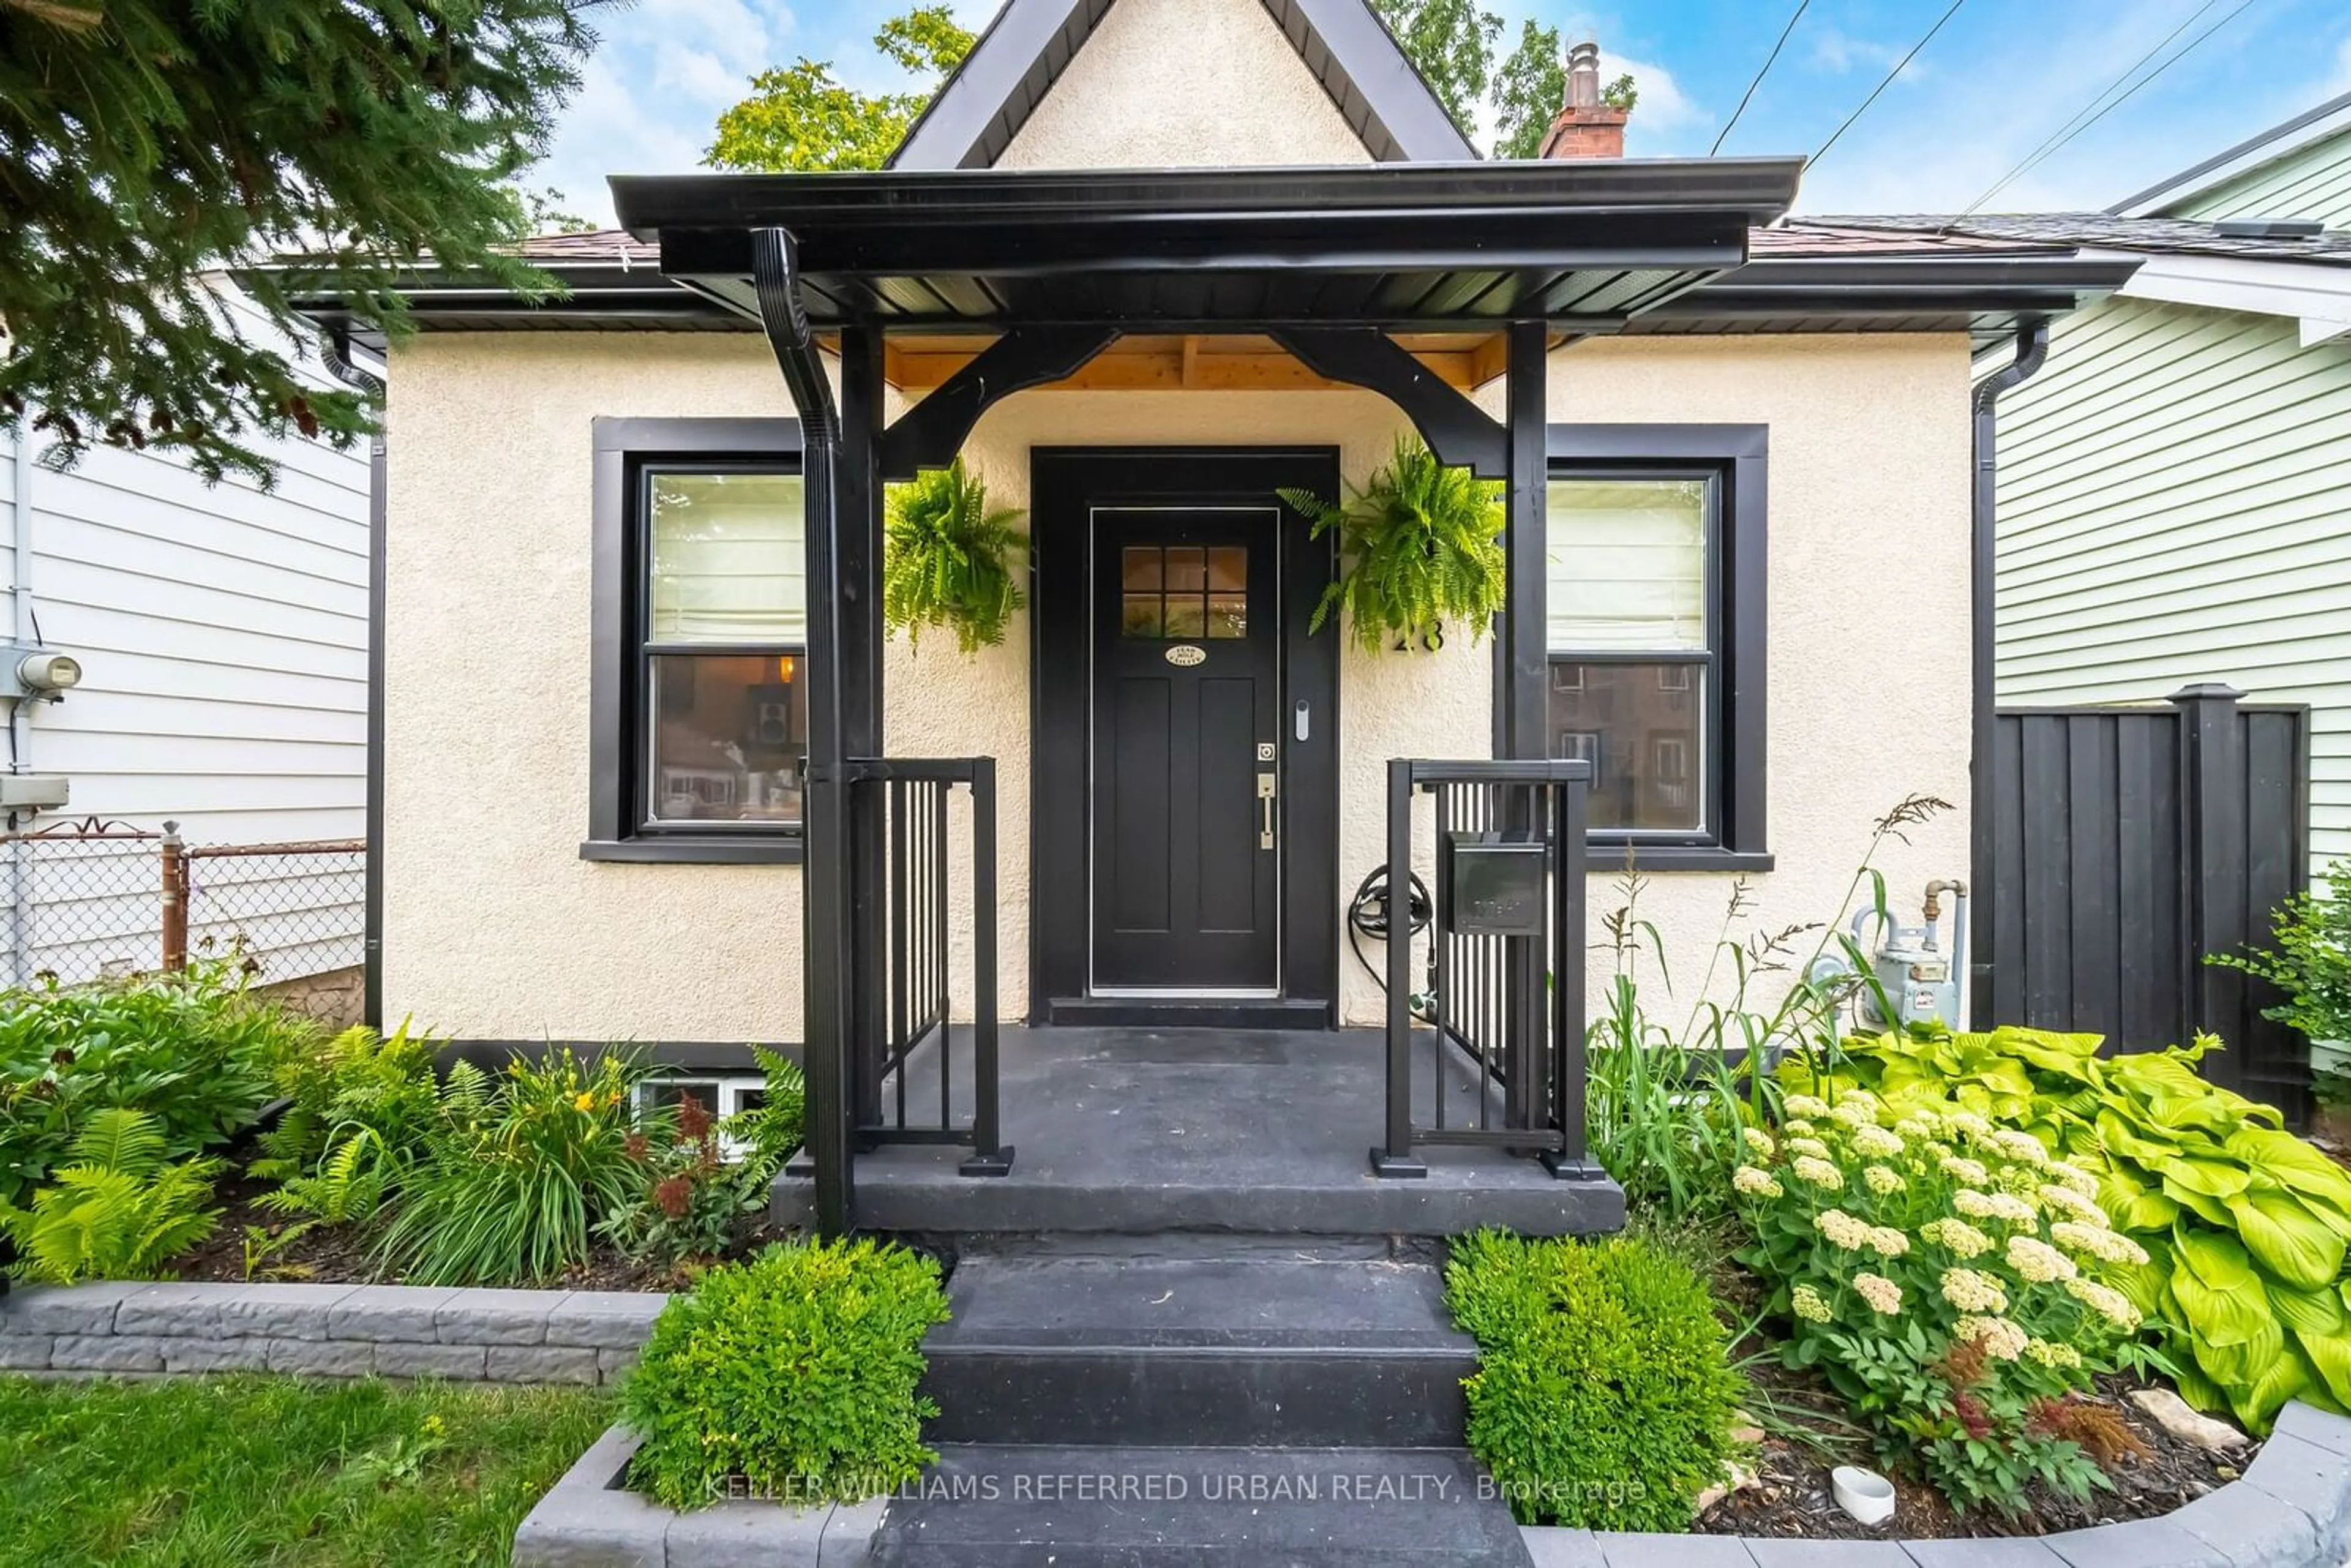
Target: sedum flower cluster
[1950,1278]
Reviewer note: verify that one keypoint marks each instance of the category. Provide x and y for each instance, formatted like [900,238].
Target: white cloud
[1837,50]
[2341,81]
[1662,105]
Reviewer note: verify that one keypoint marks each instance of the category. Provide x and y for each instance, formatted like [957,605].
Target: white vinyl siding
[2174,503]
[223,635]
[2313,184]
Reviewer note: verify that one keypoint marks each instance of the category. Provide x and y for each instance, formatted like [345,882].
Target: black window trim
[623,450]
[1735,458]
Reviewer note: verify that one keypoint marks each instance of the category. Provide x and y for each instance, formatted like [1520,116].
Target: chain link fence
[82,900]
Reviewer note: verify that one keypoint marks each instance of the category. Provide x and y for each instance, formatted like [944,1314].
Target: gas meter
[1919,980]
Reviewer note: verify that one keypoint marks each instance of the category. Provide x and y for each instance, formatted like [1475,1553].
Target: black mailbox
[1494,881]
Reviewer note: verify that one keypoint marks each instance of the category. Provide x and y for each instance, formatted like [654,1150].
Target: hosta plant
[1951,1279]
[1417,547]
[946,558]
[120,1209]
[2245,1225]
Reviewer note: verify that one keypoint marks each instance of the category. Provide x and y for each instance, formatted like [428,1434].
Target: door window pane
[1641,727]
[728,559]
[1183,591]
[728,733]
[1627,564]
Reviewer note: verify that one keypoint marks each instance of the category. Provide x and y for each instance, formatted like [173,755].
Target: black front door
[1185,649]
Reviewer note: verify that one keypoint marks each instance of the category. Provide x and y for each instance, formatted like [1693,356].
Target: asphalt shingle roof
[2104,231]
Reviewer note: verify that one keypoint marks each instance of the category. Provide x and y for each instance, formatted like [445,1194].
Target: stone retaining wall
[327,1330]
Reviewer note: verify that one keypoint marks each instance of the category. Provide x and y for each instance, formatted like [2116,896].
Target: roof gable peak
[1029,43]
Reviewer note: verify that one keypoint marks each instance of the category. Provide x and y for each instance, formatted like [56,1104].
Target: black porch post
[1521,721]
[858,521]
[1521,694]
[825,933]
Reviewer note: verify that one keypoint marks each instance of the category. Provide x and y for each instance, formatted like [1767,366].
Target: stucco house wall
[496,929]
[1171,84]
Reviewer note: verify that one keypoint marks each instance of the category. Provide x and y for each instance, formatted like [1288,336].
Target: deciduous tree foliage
[145,144]
[802,117]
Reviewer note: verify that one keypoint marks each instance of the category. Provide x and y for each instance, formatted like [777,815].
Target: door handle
[1267,787]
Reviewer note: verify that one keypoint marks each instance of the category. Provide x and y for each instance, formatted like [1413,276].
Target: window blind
[1626,568]
[729,558]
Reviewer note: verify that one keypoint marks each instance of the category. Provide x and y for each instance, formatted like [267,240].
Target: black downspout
[336,356]
[2032,348]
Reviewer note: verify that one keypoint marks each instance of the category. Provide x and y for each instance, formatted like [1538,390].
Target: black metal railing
[1500,1060]
[904,1069]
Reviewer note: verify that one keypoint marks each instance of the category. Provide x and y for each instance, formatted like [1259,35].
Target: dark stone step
[988,1507]
[1297,1348]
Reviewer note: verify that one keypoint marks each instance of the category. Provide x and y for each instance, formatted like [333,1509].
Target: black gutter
[335,353]
[1755,189]
[2031,350]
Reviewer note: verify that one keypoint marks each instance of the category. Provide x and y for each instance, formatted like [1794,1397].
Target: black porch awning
[1588,244]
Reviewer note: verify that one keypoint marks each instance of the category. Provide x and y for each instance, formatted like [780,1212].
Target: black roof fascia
[973,117]
[1751,190]
[593,295]
[2185,182]
[1858,288]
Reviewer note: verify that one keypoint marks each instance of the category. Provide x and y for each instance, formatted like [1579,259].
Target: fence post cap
[2206,690]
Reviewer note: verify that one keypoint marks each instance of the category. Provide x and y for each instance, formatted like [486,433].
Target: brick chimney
[1586,128]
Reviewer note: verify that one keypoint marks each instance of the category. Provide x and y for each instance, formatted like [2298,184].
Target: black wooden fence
[2126,844]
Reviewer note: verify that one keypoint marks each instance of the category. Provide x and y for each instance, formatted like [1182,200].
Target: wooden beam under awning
[1168,362]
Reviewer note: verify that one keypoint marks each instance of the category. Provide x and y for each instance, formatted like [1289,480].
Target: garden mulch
[1791,1498]
[340,1254]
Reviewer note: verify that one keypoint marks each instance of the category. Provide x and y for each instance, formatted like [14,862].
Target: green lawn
[262,1472]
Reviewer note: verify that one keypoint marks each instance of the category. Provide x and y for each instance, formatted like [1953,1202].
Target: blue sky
[1997,81]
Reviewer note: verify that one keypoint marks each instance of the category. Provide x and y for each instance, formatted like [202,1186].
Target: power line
[1881,86]
[1759,74]
[2070,129]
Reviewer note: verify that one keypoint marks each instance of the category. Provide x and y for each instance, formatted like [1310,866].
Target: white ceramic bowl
[1865,1494]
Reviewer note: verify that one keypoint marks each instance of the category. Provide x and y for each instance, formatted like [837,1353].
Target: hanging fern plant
[1417,547]
[945,559]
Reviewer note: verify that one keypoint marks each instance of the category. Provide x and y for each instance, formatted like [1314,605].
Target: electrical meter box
[1494,883]
[34,791]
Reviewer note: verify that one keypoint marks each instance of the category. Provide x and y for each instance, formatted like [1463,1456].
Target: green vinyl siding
[2175,506]
[2312,183]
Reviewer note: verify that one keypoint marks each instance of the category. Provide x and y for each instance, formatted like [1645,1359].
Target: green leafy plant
[2311,961]
[793,1377]
[359,1082]
[692,1201]
[192,1049]
[945,559]
[1953,1282]
[2246,1226]
[1670,1087]
[767,1135]
[121,1210]
[1603,1395]
[516,1172]
[1417,547]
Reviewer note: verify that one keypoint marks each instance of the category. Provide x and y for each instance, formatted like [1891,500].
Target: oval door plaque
[1187,654]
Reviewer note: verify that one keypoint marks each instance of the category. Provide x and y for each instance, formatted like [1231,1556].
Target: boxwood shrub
[790,1377]
[1605,1395]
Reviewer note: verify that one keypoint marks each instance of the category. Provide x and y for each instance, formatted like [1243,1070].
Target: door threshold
[1193,1012]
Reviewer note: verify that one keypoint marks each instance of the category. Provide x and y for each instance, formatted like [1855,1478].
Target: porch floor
[1140,1131]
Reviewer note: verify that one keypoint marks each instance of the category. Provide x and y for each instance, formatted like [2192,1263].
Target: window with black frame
[1635,638]
[721,649]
